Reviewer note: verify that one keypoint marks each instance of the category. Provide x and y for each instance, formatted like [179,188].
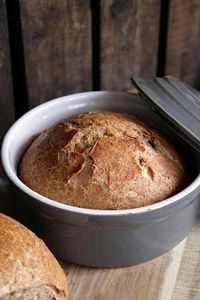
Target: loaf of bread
[28,270]
[102,160]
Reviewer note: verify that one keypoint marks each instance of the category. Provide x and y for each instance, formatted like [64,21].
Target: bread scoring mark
[84,175]
[140,161]
[148,172]
[152,144]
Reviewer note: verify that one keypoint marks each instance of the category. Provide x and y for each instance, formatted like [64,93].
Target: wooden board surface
[183,43]
[6,96]
[57,47]
[129,41]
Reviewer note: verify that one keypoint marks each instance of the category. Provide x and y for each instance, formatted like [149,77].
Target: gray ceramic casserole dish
[100,238]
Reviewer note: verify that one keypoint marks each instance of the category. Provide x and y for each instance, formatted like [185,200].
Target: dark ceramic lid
[177,103]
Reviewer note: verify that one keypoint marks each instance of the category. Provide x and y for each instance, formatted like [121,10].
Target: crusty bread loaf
[102,160]
[28,270]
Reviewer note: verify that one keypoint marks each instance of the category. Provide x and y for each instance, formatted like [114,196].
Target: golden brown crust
[102,160]
[26,262]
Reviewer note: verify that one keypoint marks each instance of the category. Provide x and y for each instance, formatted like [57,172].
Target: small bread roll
[28,270]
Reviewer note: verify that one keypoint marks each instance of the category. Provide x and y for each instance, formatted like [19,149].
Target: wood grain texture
[183,43]
[6,95]
[149,280]
[129,41]
[187,285]
[167,282]
[57,47]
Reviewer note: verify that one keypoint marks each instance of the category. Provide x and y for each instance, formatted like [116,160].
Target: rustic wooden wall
[129,41]
[183,41]
[61,47]
[6,95]
[57,47]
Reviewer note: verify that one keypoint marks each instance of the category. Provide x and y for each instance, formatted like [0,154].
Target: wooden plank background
[6,94]
[71,46]
[57,48]
[129,41]
[183,41]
